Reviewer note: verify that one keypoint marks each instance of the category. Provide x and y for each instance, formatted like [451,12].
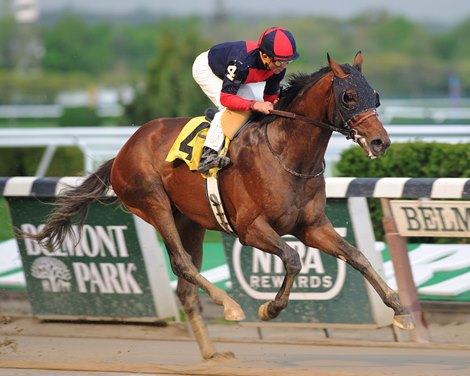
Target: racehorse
[275,186]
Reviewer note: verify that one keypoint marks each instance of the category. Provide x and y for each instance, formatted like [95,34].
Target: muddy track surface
[30,348]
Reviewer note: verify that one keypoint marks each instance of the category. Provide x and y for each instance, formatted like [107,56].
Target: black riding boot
[210,159]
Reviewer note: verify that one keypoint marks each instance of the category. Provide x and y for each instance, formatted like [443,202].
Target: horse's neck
[300,143]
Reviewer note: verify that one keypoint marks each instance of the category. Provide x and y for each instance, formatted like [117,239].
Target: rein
[278,158]
[290,115]
[349,133]
[293,116]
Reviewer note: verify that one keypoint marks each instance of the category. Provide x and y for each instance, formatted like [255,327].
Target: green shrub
[20,161]
[67,161]
[79,117]
[412,159]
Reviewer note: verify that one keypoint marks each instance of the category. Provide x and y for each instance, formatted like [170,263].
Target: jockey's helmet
[278,44]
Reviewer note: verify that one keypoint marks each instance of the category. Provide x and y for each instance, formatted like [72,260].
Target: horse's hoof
[221,355]
[234,314]
[404,322]
[263,312]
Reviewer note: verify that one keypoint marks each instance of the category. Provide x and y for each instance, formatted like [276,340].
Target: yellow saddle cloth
[189,143]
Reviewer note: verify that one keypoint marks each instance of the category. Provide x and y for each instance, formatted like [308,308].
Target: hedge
[20,161]
[411,159]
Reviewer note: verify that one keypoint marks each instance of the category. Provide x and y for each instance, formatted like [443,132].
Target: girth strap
[215,203]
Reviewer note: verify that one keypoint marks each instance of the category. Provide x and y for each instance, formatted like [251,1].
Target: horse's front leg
[262,236]
[328,240]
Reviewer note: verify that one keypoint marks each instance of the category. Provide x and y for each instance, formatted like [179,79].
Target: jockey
[225,73]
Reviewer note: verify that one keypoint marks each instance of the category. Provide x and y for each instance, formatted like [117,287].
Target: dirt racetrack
[27,344]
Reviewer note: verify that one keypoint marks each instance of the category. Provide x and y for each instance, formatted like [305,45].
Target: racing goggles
[281,63]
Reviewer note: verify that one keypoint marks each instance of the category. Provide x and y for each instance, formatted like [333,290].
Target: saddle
[188,148]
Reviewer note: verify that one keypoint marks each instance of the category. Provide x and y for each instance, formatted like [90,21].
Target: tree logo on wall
[53,273]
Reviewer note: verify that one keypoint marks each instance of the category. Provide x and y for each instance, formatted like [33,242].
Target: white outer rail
[101,143]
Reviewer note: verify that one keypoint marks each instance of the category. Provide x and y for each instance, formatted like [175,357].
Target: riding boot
[210,159]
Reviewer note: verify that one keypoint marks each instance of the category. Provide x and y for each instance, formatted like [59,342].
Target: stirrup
[220,162]
[224,162]
[211,159]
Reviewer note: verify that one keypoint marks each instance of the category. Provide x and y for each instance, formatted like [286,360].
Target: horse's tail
[72,207]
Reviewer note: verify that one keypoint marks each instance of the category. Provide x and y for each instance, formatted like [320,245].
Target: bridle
[345,117]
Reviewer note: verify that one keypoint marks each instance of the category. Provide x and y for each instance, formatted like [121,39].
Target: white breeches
[211,85]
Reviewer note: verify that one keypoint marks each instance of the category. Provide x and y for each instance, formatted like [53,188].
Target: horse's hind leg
[328,240]
[192,236]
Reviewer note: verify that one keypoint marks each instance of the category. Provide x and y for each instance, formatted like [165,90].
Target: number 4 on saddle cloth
[189,143]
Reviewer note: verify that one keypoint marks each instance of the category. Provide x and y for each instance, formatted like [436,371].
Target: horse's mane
[296,83]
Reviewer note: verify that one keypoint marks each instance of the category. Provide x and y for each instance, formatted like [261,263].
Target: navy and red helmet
[278,44]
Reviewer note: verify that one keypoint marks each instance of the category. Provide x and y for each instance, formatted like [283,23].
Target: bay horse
[274,187]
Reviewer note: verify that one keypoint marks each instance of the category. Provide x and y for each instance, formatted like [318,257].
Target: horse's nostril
[377,143]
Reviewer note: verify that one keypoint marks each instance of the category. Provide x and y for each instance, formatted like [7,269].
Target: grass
[6,231]
[54,122]
[28,123]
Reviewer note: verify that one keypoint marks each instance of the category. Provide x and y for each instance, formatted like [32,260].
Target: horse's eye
[348,99]
[377,100]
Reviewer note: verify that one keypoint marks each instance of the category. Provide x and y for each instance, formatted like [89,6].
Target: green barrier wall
[327,290]
[106,275]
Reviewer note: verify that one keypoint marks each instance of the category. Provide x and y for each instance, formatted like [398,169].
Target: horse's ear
[335,67]
[358,61]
